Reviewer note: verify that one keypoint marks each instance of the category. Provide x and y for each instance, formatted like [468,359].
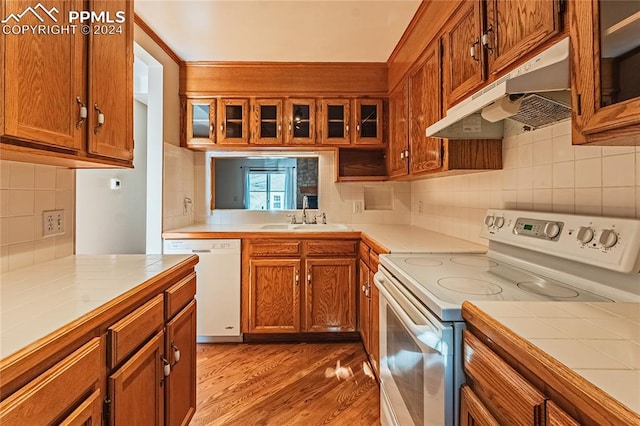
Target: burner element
[422,261]
[548,289]
[470,286]
[475,261]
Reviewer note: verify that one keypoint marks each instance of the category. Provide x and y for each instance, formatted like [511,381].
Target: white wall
[542,171]
[114,221]
[178,178]
[25,191]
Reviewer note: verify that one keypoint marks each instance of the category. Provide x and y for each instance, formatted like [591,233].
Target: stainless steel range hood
[536,94]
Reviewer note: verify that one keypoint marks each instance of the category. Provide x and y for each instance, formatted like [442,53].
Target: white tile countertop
[598,341]
[38,300]
[396,238]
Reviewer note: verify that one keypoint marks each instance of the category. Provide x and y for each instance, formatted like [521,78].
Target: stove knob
[498,222]
[488,220]
[608,238]
[585,234]
[551,229]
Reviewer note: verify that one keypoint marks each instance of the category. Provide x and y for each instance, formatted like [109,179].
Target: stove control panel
[538,228]
[611,243]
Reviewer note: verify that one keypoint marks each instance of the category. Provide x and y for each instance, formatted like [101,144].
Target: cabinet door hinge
[106,410]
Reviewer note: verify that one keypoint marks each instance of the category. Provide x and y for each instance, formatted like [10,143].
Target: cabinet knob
[472,50]
[99,119]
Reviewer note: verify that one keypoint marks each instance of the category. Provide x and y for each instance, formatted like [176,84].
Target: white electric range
[532,256]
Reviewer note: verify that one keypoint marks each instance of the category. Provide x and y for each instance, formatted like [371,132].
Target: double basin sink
[326,227]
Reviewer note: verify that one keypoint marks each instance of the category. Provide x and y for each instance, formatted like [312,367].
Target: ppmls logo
[85,21]
[34,11]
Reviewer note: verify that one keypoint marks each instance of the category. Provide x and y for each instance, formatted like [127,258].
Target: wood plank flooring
[283,384]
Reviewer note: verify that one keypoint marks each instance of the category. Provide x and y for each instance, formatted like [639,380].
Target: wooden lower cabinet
[364,304]
[472,410]
[60,390]
[299,286]
[274,296]
[329,296]
[180,350]
[136,390]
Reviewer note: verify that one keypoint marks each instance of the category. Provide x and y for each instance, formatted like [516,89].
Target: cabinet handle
[472,49]
[82,117]
[297,277]
[279,129]
[346,129]
[166,370]
[402,155]
[485,39]
[100,119]
[222,127]
[309,276]
[290,128]
[358,128]
[176,354]
[210,128]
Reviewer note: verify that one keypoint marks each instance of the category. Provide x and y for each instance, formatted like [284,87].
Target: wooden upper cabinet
[44,80]
[274,295]
[605,57]
[300,118]
[330,294]
[266,118]
[515,28]
[425,153]
[368,121]
[465,59]
[110,122]
[398,132]
[200,121]
[336,121]
[233,121]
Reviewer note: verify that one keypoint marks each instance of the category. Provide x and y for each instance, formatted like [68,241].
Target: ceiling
[279,30]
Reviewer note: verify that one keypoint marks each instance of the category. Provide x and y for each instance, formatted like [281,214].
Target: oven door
[416,359]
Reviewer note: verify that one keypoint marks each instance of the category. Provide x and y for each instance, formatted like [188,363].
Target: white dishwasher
[217,287]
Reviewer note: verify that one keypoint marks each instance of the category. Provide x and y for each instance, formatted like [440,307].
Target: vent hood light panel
[546,73]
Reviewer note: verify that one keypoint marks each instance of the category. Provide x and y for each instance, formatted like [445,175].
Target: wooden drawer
[179,295]
[57,390]
[274,248]
[133,330]
[508,396]
[364,253]
[331,248]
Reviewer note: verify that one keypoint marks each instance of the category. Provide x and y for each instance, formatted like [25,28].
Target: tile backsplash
[26,190]
[542,171]
[178,187]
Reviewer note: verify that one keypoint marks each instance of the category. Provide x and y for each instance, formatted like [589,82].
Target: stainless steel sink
[326,227]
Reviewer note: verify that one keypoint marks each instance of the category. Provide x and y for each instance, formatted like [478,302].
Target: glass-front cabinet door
[605,62]
[368,121]
[267,122]
[233,127]
[336,122]
[300,121]
[200,121]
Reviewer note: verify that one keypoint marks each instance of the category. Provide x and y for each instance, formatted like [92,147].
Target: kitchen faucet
[305,206]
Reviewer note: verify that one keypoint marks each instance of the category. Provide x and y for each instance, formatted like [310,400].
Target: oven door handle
[428,333]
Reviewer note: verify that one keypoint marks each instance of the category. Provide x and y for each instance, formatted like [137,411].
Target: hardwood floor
[283,384]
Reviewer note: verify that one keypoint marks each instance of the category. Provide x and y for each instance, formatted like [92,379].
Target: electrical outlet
[357,206]
[420,207]
[52,222]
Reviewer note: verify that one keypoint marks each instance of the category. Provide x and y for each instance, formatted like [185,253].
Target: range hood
[535,94]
